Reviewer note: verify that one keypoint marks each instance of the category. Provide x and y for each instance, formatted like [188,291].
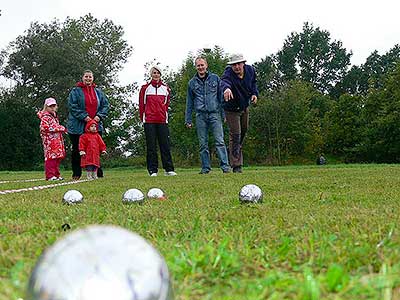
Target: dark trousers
[157,133]
[238,123]
[76,158]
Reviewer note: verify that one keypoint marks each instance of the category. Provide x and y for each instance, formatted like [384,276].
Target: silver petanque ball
[100,262]
[156,193]
[133,196]
[250,193]
[72,197]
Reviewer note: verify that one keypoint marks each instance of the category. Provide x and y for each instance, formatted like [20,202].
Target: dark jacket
[242,89]
[77,110]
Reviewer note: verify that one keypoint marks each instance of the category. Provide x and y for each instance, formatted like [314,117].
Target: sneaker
[153,174]
[54,178]
[226,170]
[237,170]
[170,173]
[60,178]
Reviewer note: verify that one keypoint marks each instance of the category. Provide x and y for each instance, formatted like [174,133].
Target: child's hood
[42,113]
[88,124]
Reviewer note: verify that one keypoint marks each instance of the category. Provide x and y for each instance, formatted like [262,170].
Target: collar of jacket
[156,84]
[202,78]
[82,85]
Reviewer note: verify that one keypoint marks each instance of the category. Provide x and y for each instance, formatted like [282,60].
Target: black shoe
[237,170]
[204,172]
[226,171]
[100,173]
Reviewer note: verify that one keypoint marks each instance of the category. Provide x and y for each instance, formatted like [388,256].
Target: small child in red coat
[91,145]
[53,143]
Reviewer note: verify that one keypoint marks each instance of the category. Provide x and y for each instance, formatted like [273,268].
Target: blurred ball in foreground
[72,197]
[250,193]
[156,193]
[100,263]
[133,196]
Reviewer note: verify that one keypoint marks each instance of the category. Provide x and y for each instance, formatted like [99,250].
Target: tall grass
[327,232]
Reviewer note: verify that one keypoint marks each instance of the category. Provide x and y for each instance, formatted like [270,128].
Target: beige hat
[236,58]
[155,68]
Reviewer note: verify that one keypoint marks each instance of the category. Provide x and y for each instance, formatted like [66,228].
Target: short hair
[87,71]
[200,57]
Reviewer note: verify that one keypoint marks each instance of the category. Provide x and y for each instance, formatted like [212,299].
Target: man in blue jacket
[205,98]
[238,84]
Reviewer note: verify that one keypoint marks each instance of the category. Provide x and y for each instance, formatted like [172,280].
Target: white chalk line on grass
[42,187]
[22,180]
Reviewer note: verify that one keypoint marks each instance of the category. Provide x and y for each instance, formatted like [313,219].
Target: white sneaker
[170,173]
[54,178]
[153,174]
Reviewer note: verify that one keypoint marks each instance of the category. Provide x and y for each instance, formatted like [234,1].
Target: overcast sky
[169,30]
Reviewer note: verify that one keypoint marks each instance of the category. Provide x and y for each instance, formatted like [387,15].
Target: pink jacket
[51,133]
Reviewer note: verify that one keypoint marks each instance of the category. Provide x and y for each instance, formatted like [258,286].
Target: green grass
[328,232]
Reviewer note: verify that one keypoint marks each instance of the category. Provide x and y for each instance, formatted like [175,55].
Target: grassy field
[329,232]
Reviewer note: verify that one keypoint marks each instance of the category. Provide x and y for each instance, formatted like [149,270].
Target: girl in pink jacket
[53,143]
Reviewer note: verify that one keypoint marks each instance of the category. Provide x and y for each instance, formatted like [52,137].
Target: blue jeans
[204,123]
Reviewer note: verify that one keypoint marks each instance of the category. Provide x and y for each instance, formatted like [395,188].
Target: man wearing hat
[238,84]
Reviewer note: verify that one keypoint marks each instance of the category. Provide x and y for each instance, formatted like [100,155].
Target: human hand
[254,99]
[104,152]
[87,119]
[228,95]
[82,153]
[189,125]
[97,119]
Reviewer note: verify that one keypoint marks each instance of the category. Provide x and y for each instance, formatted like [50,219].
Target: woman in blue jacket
[85,102]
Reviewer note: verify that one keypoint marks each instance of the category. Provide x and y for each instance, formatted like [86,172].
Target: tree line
[312,101]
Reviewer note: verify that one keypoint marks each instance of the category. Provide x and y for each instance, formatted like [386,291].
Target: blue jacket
[203,96]
[77,112]
[242,89]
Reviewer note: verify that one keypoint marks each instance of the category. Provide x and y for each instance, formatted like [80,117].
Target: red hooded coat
[93,145]
[51,133]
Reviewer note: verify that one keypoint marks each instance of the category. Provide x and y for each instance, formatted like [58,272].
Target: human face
[155,75]
[201,67]
[93,128]
[238,68]
[52,108]
[87,78]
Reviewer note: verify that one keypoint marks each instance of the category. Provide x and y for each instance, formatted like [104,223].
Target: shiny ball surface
[250,193]
[156,193]
[102,263]
[72,197]
[133,196]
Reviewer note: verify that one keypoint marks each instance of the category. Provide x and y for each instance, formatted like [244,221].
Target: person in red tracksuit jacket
[154,99]
[91,145]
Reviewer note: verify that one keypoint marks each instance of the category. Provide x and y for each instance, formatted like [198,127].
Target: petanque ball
[250,193]
[100,262]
